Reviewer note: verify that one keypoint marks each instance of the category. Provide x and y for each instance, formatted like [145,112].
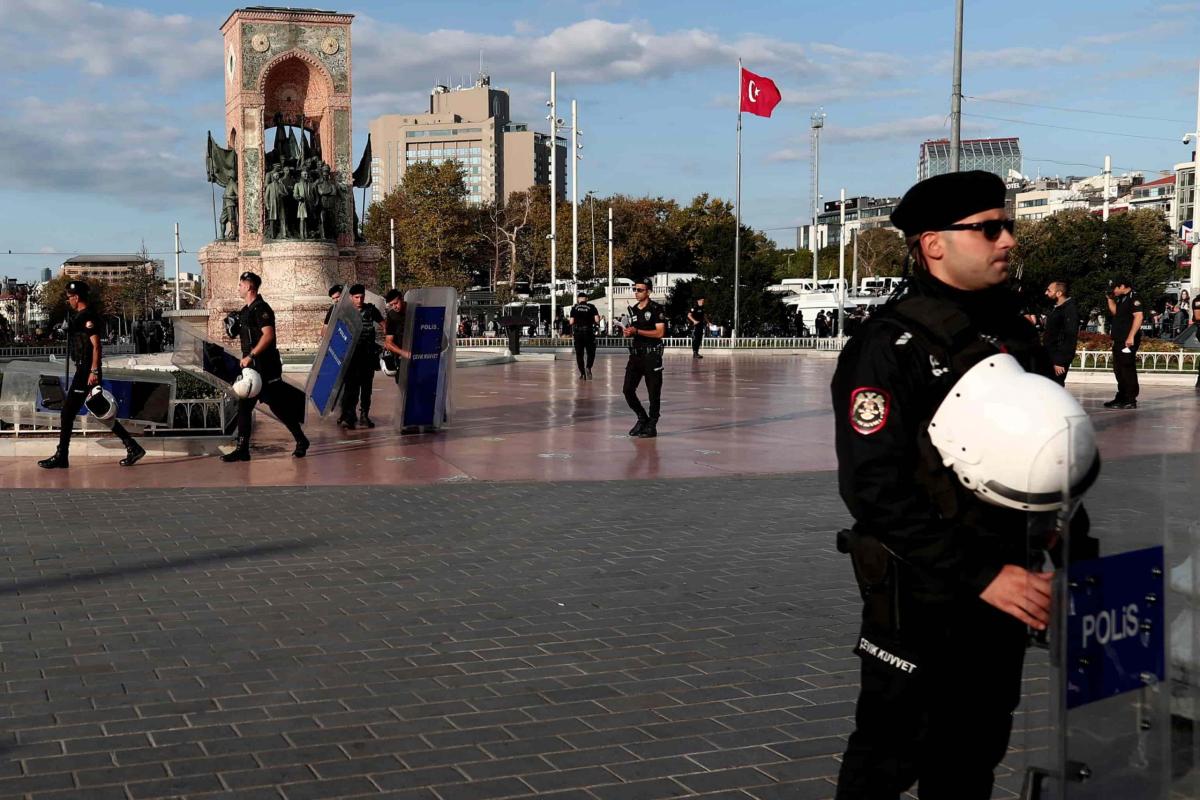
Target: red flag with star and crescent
[759,95]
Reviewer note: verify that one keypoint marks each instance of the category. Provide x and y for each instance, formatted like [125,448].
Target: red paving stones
[534,421]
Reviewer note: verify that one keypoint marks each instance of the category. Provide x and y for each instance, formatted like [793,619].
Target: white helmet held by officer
[248,384]
[1012,437]
[101,404]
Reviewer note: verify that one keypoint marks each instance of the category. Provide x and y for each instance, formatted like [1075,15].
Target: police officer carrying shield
[359,382]
[393,328]
[645,331]
[947,595]
[584,317]
[254,325]
[84,331]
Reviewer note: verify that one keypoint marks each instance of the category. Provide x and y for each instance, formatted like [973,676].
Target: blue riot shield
[1116,717]
[324,386]
[425,401]
[32,393]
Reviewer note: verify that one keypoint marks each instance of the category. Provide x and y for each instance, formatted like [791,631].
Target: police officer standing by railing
[645,330]
[1126,309]
[84,333]
[698,321]
[584,318]
[254,326]
[943,569]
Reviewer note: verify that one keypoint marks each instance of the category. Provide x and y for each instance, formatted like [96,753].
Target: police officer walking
[1126,310]
[645,330]
[584,317]
[698,323]
[1062,329]
[84,333]
[360,375]
[947,596]
[393,327]
[255,328]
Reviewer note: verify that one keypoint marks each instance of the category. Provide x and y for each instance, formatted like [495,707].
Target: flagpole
[737,216]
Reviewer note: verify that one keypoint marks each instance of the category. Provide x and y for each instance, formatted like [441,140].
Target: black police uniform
[1125,364]
[941,669]
[584,317]
[697,313]
[360,376]
[1062,332]
[645,361]
[80,330]
[252,319]
[393,326]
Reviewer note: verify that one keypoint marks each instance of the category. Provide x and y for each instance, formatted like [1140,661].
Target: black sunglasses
[990,228]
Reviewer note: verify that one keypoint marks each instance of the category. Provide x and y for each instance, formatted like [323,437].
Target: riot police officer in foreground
[255,327]
[942,569]
[84,332]
[584,317]
[645,331]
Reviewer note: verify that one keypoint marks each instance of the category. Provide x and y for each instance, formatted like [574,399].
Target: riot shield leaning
[1100,726]
[426,380]
[324,386]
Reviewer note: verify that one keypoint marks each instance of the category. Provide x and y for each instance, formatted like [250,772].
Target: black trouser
[697,338]
[359,381]
[77,392]
[585,345]
[270,396]
[1125,368]
[646,364]
[947,723]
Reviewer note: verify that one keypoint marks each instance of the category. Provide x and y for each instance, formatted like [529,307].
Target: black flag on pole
[362,175]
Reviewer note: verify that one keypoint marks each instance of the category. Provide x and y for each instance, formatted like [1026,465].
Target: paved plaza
[533,605]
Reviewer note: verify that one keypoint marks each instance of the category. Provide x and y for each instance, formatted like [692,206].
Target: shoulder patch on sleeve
[89,324]
[869,409]
[903,339]
[1137,303]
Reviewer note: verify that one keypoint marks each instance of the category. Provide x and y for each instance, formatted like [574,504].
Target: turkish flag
[759,95]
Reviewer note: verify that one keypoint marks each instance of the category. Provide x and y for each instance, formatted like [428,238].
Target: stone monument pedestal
[296,279]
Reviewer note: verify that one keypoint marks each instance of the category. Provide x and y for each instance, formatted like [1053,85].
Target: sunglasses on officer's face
[636,289]
[990,228]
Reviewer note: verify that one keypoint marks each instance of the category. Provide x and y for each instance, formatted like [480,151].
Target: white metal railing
[9,353]
[682,342]
[1178,361]
[193,416]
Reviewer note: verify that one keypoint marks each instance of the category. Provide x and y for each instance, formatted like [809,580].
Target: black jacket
[887,386]
[1062,333]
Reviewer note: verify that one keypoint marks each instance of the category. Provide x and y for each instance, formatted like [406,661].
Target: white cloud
[1029,57]
[1178,8]
[787,154]
[106,41]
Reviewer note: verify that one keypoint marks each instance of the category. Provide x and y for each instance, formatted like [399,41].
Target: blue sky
[107,104]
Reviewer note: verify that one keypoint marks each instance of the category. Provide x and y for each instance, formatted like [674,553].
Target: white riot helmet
[101,404]
[1011,436]
[248,385]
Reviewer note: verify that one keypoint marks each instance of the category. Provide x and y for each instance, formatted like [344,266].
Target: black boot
[589,373]
[637,429]
[649,430]
[347,424]
[134,453]
[365,421]
[240,453]
[57,461]
[301,445]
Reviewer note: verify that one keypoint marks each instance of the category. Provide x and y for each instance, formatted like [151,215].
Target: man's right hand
[1059,370]
[1022,594]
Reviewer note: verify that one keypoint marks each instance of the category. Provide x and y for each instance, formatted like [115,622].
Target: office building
[107,267]
[998,156]
[472,126]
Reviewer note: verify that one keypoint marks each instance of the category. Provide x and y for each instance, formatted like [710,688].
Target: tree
[437,242]
[1078,246]
[881,253]
[500,226]
[137,293]
[793,264]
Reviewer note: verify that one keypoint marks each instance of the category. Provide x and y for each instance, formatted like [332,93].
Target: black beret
[78,288]
[335,289]
[943,200]
[251,278]
[357,288]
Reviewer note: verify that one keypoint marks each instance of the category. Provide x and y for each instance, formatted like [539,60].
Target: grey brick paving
[605,641]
